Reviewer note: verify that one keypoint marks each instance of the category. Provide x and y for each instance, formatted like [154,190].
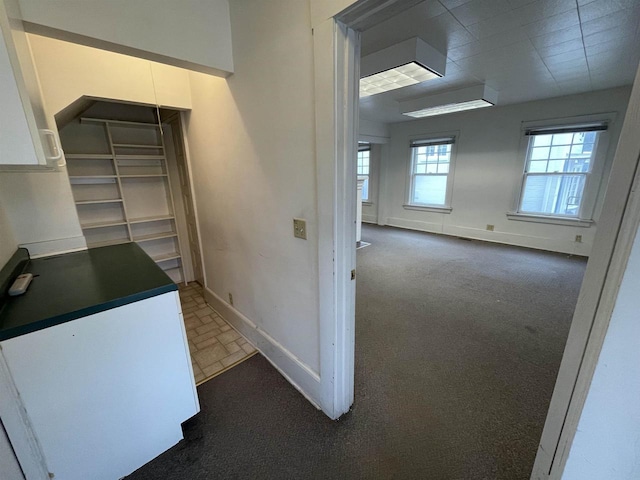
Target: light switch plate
[300,228]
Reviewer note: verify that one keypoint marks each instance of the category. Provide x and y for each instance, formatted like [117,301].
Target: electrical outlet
[490,227]
[230,299]
[578,238]
[300,228]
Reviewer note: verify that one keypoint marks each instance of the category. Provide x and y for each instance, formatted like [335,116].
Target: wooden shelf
[134,145]
[94,202]
[115,223]
[151,219]
[118,122]
[108,243]
[139,157]
[137,172]
[165,257]
[154,236]
[88,156]
[145,175]
[79,177]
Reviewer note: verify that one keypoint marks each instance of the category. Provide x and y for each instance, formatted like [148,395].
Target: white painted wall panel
[251,140]
[9,466]
[196,32]
[8,242]
[607,441]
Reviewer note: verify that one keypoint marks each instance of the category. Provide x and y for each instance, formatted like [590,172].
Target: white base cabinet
[106,393]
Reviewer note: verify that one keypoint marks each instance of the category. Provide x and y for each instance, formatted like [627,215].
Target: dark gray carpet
[458,345]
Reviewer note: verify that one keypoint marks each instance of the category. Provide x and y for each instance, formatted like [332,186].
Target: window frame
[365,147]
[593,178]
[443,138]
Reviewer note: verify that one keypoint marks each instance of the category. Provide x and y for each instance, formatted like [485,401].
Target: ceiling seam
[584,48]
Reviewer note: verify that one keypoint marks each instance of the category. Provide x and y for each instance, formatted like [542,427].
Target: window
[364,157]
[431,162]
[558,166]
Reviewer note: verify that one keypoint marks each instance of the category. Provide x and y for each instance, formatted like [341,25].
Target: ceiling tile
[541,9]
[494,25]
[477,10]
[557,37]
[574,64]
[604,36]
[558,48]
[456,34]
[520,3]
[599,8]
[449,4]
[626,43]
[525,49]
[626,20]
[501,39]
[552,24]
[564,57]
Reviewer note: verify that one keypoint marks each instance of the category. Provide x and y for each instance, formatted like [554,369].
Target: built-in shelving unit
[120,181]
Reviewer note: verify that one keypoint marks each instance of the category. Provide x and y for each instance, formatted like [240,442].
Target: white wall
[488,170]
[607,442]
[67,71]
[187,33]
[8,243]
[372,131]
[251,143]
[8,461]
[324,9]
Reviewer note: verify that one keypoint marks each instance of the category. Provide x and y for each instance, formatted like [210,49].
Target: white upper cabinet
[24,137]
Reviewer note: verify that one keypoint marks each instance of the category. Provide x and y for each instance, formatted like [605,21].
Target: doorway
[574,376]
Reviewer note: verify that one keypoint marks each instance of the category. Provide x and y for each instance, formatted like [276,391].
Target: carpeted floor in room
[458,344]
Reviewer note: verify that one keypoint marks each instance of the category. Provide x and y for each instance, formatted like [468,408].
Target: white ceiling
[524,49]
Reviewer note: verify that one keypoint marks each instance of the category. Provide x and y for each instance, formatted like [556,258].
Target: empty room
[484,154]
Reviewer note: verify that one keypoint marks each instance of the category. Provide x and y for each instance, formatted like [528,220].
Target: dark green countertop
[73,285]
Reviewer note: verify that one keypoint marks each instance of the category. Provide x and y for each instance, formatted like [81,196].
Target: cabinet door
[16,143]
[20,142]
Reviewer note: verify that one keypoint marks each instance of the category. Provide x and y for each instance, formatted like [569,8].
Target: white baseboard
[303,378]
[55,247]
[369,218]
[507,238]
[414,224]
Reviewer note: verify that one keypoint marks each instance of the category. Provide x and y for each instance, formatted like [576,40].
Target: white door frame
[336,54]
[336,146]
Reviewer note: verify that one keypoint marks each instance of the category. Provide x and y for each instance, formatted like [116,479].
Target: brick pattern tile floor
[214,345]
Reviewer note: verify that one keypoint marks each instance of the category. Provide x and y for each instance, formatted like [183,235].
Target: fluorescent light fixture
[449,102]
[406,63]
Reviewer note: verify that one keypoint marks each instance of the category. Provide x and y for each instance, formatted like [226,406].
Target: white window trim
[367,148]
[446,208]
[593,183]
[423,208]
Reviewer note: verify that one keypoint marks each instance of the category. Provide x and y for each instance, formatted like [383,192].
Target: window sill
[573,222]
[367,203]
[425,208]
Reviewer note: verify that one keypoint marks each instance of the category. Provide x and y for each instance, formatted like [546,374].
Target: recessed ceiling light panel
[398,77]
[406,63]
[449,102]
[450,108]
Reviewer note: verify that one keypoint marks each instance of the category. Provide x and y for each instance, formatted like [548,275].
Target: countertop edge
[10,333]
